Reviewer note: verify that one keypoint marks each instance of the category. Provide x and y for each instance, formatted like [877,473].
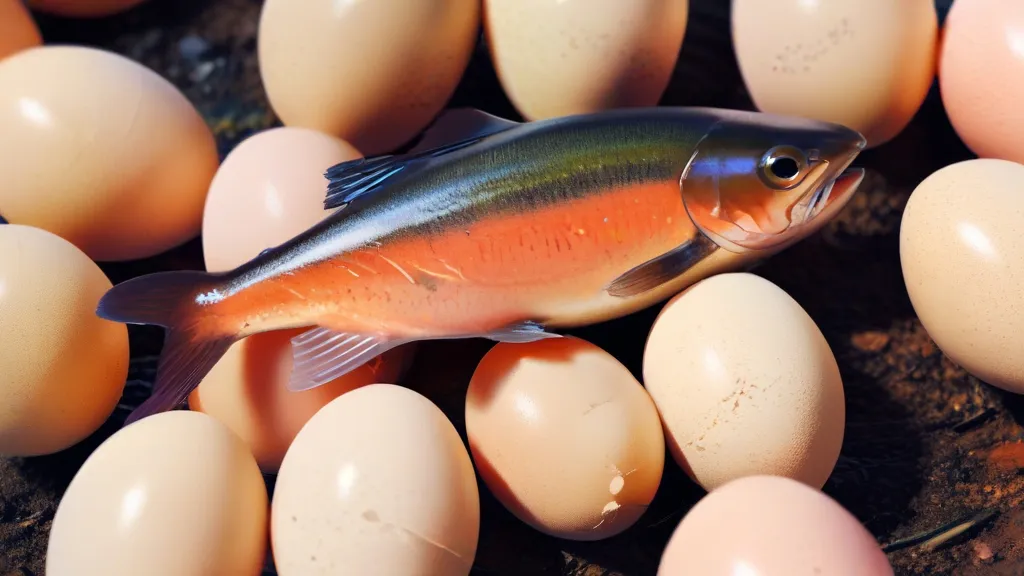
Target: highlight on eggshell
[269,189]
[378,481]
[176,493]
[247,391]
[562,58]
[83,8]
[866,64]
[962,257]
[771,525]
[18,30]
[564,437]
[101,151]
[62,369]
[981,76]
[745,383]
[372,73]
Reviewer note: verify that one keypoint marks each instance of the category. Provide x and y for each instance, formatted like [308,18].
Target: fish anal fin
[452,130]
[663,269]
[320,355]
[520,333]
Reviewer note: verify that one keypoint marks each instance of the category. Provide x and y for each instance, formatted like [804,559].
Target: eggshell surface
[377,482]
[247,390]
[372,73]
[270,188]
[745,383]
[962,255]
[83,8]
[771,526]
[564,437]
[172,494]
[866,64]
[981,76]
[62,368]
[560,58]
[102,151]
[18,30]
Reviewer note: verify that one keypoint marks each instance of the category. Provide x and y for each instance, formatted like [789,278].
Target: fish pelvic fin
[191,349]
[453,130]
[320,355]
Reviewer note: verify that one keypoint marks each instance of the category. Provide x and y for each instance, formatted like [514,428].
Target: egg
[562,58]
[372,73]
[62,368]
[101,151]
[83,8]
[172,494]
[962,256]
[377,482]
[771,526]
[866,64]
[18,30]
[564,437]
[270,188]
[981,75]
[745,383]
[247,390]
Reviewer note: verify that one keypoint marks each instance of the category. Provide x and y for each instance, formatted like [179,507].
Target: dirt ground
[931,459]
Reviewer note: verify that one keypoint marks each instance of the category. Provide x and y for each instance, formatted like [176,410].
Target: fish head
[759,181]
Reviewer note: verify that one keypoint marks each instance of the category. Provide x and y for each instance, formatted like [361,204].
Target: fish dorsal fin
[662,269]
[453,130]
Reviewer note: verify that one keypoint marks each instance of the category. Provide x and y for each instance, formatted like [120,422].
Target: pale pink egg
[270,188]
[981,76]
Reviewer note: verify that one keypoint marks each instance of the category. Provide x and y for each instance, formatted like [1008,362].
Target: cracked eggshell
[562,58]
[377,482]
[745,383]
[771,526]
[867,64]
[564,437]
[962,254]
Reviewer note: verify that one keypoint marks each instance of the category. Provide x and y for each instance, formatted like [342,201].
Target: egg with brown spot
[866,64]
[564,437]
[745,383]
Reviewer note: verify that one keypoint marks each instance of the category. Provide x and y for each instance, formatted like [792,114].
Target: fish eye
[782,167]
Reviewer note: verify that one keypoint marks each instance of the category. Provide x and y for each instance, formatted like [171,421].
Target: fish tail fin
[191,346]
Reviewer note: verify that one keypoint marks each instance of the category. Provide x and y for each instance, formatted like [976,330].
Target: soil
[931,459]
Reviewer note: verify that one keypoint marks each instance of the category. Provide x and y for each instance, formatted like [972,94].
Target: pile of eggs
[740,388]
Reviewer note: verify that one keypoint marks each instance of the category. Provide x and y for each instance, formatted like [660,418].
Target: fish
[504,230]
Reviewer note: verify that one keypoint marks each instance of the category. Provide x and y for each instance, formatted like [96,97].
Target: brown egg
[377,482]
[62,368]
[247,391]
[83,8]
[17,29]
[565,437]
[560,58]
[745,383]
[373,73]
[173,494]
[962,254]
[102,151]
[867,64]
[270,188]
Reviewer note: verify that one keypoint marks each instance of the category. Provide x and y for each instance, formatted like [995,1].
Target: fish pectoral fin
[522,332]
[320,355]
[662,269]
[453,130]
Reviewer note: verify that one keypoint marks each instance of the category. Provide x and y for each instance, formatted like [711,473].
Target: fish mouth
[822,202]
